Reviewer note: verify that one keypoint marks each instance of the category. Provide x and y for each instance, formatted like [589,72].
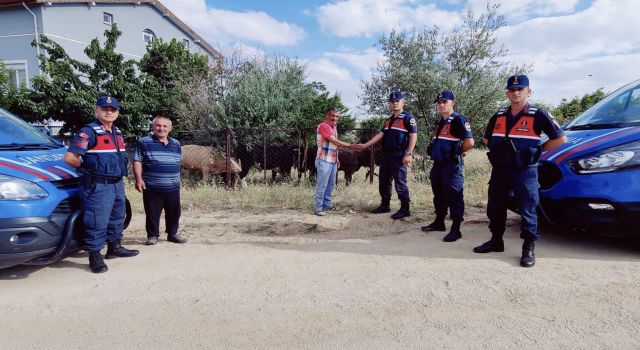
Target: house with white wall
[73,24]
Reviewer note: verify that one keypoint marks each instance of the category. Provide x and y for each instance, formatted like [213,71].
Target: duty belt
[105,179]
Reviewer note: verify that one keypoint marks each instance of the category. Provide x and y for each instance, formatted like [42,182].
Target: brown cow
[205,158]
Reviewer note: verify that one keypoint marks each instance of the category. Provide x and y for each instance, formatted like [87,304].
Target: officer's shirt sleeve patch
[467,126]
[412,121]
[81,143]
[82,140]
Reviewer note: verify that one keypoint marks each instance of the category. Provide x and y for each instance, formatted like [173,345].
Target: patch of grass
[477,171]
[289,194]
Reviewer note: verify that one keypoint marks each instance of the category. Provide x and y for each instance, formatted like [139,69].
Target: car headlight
[621,157]
[15,189]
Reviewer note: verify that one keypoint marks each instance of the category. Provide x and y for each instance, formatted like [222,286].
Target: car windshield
[16,134]
[619,109]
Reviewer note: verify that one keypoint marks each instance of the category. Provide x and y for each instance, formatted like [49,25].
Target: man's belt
[105,179]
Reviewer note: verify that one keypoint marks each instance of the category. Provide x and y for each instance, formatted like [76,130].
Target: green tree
[169,67]
[372,125]
[259,92]
[16,99]
[7,90]
[268,93]
[312,113]
[68,88]
[5,84]
[423,62]
[567,110]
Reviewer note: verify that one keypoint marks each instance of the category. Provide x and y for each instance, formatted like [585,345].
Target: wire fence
[276,154]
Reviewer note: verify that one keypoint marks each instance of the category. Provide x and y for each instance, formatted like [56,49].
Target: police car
[593,181]
[40,218]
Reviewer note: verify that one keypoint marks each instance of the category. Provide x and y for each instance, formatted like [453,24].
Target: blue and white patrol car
[40,218]
[593,181]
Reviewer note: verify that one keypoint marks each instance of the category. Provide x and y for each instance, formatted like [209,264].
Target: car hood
[581,142]
[36,165]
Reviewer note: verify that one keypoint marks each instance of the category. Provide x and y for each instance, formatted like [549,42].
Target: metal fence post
[372,163]
[298,164]
[228,156]
[264,154]
[305,159]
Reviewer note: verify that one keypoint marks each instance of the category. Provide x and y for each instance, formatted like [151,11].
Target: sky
[573,46]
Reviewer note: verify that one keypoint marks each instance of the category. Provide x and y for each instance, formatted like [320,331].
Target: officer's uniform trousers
[104,209]
[524,184]
[447,183]
[392,169]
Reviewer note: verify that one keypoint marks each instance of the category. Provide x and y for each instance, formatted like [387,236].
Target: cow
[348,163]
[207,160]
[348,159]
[364,159]
[307,164]
[275,158]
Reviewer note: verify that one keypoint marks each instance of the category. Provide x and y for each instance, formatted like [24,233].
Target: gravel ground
[290,280]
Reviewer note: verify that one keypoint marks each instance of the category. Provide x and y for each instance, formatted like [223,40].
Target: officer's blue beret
[396,95]
[445,95]
[518,81]
[107,101]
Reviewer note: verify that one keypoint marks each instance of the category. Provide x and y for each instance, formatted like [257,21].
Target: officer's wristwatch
[408,154]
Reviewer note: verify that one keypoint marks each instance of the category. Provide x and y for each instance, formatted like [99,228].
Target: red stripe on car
[26,170]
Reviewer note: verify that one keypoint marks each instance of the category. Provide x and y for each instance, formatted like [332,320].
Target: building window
[17,73]
[107,18]
[148,35]
[185,42]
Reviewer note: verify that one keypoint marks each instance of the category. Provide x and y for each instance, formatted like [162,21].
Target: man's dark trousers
[154,203]
[447,182]
[392,169]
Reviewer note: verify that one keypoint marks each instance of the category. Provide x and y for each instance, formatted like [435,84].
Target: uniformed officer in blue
[513,137]
[98,150]
[399,135]
[451,141]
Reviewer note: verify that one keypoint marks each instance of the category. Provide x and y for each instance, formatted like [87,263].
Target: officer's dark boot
[528,256]
[436,225]
[404,210]
[96,263]
[383,208]
[495,244]
[115,250]
[455,233]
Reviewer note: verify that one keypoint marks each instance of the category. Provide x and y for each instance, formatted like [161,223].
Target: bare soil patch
[288,279]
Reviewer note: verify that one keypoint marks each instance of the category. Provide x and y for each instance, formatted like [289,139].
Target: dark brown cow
[349,163]
[364,159]
[276,158]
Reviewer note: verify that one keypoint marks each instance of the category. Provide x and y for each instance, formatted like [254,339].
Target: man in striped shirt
[156,166]
[327,161]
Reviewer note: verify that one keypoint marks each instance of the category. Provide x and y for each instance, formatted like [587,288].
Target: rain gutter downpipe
[35,28]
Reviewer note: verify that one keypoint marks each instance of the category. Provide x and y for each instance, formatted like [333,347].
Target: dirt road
[291,280]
